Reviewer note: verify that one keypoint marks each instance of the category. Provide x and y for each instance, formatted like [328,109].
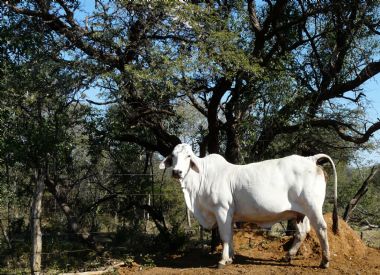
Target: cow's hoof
[287,259]
[222,264]
[324,265]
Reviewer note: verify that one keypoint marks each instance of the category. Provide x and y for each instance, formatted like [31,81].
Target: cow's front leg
[224,220]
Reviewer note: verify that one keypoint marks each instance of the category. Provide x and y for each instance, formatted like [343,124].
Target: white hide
[220,193]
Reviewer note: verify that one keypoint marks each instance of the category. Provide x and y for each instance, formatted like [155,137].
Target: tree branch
[338,126]
[101,103]
[361,139]
[345,29]
[97,203]
[255,24]
[196,104]
[359,194]
[74,34]
[273,14]
[365,74]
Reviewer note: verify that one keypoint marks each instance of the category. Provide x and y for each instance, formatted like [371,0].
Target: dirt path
[263,255]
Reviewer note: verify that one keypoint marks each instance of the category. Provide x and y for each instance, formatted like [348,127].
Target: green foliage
[170,71]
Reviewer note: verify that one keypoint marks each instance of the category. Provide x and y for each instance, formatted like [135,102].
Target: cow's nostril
[177,173]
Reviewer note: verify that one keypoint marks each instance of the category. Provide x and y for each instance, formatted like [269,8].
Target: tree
[270,79]
[226,59]
[36,92]
[295,48]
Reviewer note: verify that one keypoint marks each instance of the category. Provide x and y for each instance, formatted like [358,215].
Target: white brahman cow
[220,193]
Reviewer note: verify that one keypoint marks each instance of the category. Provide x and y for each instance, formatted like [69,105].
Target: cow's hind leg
[224,219]
[320,227]
[302,228]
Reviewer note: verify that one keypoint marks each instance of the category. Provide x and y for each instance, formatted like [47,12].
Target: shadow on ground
[201,258]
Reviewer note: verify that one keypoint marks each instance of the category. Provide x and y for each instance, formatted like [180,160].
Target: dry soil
[261,254]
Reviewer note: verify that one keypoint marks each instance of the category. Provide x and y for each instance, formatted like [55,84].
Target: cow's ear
[194,164]
[167,162]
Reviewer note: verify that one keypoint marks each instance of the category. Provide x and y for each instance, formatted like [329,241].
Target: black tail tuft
[335,225]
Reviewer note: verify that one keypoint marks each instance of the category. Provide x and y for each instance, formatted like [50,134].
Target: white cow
[220,193]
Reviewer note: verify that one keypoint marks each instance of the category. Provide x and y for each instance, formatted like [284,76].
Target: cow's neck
[190,186]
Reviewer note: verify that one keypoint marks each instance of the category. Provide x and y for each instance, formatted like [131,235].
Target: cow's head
[182,159]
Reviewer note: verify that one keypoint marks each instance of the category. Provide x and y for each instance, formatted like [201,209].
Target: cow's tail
[335,211]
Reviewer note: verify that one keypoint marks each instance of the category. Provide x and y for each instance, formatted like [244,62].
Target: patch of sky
[372,93]
[371,89]
[86,8]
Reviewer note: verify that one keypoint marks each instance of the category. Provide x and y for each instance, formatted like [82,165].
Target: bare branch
[69,13]
[196,104]
[339,128]
[273,15]
[361,139]
[101,103]
[359,194]
[255,24]
[366,73]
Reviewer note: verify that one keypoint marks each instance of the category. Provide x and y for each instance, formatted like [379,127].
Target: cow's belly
[261,210]
[268,220]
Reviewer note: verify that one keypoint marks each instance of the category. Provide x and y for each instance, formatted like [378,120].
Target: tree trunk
[188,216]
[72,219]
[5,229]
[35,224]
[214,125]
[213,136]
[359,195]
[5,235]
[260,147]
[233,145]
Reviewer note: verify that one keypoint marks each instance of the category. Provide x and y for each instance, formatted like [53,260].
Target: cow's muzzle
[177,174]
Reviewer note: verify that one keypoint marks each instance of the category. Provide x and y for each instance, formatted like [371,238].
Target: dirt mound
[263,253]
[346,243]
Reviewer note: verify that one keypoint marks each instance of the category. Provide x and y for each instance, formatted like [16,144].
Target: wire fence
[63,252]
[194,231]
[249,230]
